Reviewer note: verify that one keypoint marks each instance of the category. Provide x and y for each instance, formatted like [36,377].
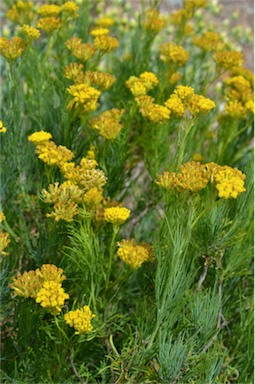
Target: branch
[74,369]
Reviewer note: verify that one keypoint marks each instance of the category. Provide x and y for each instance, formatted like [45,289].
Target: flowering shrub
[126,212]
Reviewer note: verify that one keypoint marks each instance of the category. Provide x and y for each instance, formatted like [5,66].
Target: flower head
[82,51]
[48,10]
[100,80]
[49,24]
[173,53]
[2,128]
[108,123]
[105,43]
[116,215]
[133,254]
[4,242]
[70,8]
[39,137]
[105,21]
[30,32]
[12,49]
[209,41]
[228,59]
[52,154]
[229,182]
[154,21]
[84,97]
[52,297]
[80,319]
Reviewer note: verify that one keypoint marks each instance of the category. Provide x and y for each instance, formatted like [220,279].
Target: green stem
[60,329]
[111,252]
[182,144]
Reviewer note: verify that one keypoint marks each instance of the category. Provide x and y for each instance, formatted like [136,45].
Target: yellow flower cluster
[133,254]
[229,182]
[74,71]
[39,137]
[174,78]
[21,12]
[4,242]
[70,8]
[154,21]
[93,197]
[108,123]
[82,51]
[29,283]
[50,20]
[209,41]
[53,154]
[179,17]
[49,24]
[195,176]
[30,32]
[184,98]
[48,10]
[2,217]
[155,113]
[2,127]
[141,85]
[228,59]
[99,31]
[172,53]
[116,215]
[80,319]
[100,80]
[84,97]
[240,96]
[105,21]
[191,5]
[105,43]
[12,49]
[52,297]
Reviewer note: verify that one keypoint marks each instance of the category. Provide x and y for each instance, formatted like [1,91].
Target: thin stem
[115,231]
[182,144]
[60,329]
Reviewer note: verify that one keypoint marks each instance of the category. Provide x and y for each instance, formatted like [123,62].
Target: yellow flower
[229,182]
[105,43]
[136,86]
[74,72]
[93,197]
[85,97]
[21,12]
[209,41]
[64,210]
[39,137]
[175,105]
[199,104]
[12,49]
[184,92]
[80,319]
[133,254]
[52,154]
[191,5]
[153,112]
[65,192]
[2,128]
[48,10]
[100,80]
[49,24]
[105,21]
[235,109]
[82,51]
[116,215]
[149,80]
[153,21]
[108,123]
[30,32]
[49,272]
[99,31]
[2,217]
[228,59]
[173,53]
[4,241]
[174,78]
[70,8]
[250,106]
[52,297]
[178,17]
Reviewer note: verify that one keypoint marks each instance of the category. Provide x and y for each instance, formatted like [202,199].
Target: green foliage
[185,314]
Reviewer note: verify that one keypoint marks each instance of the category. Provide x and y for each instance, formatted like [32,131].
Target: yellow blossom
[80,319]
[184,92]
[133,254]
[105,21]
[52,154]
[235,109]
[250,106]
[49,24]
[116,215]
[30,32]
[192,5]
[21,12]
[209,41]
[39,137]
[64,192]
[178,17]
[228,59]
[100,80]
[84,97]
[27,284]
[153,112]
[48,10]
[149,80]
[229,182]
[82,51]
[105,43]
[136,86]
[2,128]
[74,72]
[173,53]
[4,241]
[50,272]
[2,217]
[199,104]
[175,105]
[174,78]
[99,31]
[12,49]
[52,297]
[154,21]
[64,210]
[70,8]
[108,123]
[93,197]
